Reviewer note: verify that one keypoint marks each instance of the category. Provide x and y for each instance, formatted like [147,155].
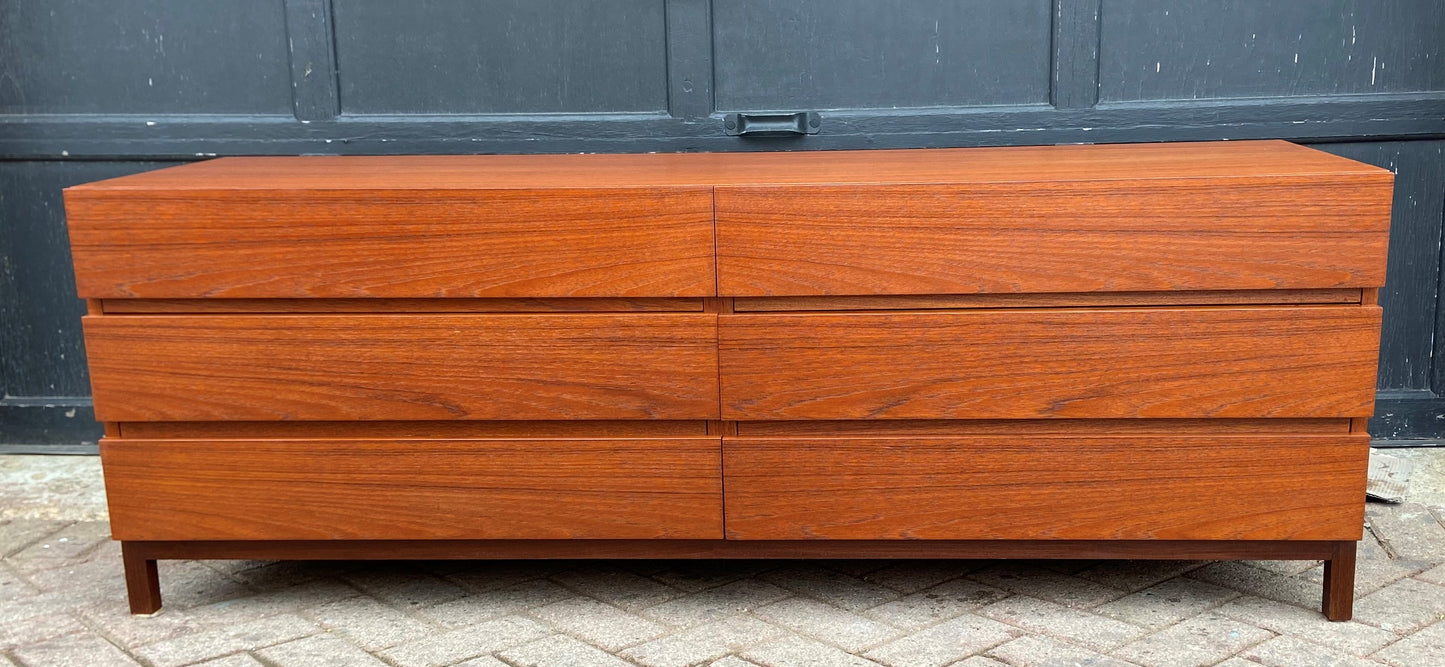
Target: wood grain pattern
[142,580]
[1031,427]
[226,242]
[1103,162]
[470,429]
[1223,215]
[1083,351]
[1338,601]
[1068,300]
[1241,362]
[415,489]
[1054,236]
[591,305]
[405,430]
[1224,487]
[402,367]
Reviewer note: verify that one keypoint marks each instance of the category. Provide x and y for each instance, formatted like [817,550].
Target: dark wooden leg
[1339,597]
[142,581]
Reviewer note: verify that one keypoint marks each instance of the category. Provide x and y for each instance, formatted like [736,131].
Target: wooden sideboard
[1128,351]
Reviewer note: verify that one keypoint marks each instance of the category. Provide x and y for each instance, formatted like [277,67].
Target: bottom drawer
[1228,487]
[413,489]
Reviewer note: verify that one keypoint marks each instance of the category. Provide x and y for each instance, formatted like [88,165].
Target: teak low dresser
[1127,351]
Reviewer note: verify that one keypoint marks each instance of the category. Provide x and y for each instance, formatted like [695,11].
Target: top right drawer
[1298,231]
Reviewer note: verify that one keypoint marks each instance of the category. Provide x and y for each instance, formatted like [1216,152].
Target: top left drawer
[392,243]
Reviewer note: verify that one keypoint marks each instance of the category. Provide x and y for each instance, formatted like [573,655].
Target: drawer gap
[416,429]
[1058,300]
[1028,427]
[361,305]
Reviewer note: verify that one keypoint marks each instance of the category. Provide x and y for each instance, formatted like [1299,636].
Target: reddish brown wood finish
[1307,361]
[1338,602]
[1237,215]
[413,489]
[1054,236]
[445,430]
[1050,352]
[777,549]
[1227,487]
[1070,300]
[428,173]
[770,549]
[228,242]
[468,429]
[600,304]
[142,579]
[389,367]
[1032,427]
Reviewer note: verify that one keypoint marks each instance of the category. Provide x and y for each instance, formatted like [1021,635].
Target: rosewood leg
[1339,594]
[142,580]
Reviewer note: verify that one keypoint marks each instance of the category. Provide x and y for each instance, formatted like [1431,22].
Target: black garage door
[97,88]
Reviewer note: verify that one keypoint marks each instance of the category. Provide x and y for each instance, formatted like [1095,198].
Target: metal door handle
[772,124]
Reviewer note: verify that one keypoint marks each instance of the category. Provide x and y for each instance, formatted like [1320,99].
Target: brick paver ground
[62,603]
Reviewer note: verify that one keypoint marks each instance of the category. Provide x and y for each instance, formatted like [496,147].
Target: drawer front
[1129,235]
[413,489]
[638,242]
[1227,487]
[402,367]
[1025,364]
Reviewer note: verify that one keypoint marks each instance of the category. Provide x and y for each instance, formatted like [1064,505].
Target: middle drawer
[1249,362]
[403,366]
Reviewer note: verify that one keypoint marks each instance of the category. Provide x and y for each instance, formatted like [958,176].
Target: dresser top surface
[1222,159]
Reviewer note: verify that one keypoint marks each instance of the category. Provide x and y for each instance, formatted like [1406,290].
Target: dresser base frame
[143,581]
